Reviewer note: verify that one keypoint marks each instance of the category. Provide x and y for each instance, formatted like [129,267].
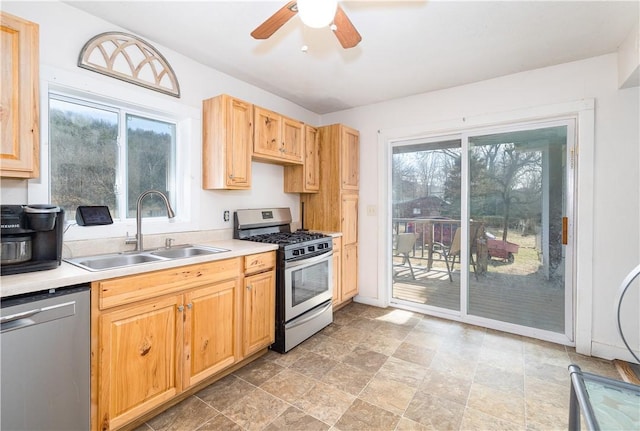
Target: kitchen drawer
[132,288]
[259,262]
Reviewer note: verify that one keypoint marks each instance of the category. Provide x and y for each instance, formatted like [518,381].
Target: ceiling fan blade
[275,21]
[345,31]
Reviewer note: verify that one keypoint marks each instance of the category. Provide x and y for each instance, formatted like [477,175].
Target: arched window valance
[129,58]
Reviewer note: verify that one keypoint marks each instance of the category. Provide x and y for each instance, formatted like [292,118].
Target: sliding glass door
[426,213]
[517,207]
[481,226]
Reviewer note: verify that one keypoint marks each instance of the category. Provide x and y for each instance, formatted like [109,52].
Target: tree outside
[85,158]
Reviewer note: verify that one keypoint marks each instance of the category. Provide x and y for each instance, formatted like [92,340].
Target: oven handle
[310,261]
[315,314]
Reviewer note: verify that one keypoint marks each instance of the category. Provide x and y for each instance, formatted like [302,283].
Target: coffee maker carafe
[31,238]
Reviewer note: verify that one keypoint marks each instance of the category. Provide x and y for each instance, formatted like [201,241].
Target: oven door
[308,283]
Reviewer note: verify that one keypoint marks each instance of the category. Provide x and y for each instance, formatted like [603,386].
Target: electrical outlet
[226,216]
[372,210]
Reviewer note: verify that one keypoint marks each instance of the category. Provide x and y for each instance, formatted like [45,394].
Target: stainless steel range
[304,273]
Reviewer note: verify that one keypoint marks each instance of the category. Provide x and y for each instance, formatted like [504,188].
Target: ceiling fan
[330,13]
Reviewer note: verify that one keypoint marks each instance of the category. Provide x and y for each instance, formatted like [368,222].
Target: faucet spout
[170,214]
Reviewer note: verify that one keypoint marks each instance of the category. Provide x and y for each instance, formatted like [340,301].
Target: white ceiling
[408,47]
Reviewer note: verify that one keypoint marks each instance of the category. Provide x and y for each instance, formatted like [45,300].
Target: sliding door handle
[565,230]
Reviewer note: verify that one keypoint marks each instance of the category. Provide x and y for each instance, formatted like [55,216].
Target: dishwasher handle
[37,315]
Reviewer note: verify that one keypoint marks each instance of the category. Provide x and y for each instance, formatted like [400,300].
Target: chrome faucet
[138,238]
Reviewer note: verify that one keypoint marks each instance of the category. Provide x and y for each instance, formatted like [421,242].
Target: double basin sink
[118,260]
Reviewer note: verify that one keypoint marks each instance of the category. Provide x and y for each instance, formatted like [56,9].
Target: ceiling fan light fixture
[317,13]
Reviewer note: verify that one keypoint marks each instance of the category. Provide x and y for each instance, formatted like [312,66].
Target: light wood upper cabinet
[305,178]
[350,158]
[277,139]
[19,98]
[227,143]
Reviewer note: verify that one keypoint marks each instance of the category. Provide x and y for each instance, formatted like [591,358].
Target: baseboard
[610,352]
[370,301]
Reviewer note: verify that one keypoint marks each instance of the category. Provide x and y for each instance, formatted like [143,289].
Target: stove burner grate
[284,238]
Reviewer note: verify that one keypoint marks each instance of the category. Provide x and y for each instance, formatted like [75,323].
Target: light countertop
[67,274]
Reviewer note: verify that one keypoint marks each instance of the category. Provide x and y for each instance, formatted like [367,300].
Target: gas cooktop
[285,238]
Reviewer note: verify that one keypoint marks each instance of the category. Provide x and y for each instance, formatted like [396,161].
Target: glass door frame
[568,338]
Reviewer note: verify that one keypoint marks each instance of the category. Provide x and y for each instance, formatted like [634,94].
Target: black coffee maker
[31,238]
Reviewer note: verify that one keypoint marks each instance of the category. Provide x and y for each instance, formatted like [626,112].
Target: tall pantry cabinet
[335,206]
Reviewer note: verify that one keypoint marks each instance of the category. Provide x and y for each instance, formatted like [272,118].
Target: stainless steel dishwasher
[45,351]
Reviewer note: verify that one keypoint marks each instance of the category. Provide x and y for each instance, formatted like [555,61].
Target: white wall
[616,232]
[616,213]
[63,32]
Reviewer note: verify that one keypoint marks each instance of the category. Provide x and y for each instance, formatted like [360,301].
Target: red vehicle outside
[501,249]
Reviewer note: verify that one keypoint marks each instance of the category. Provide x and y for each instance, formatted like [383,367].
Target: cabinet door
[259,312]
[305,178]
[239,144]
[267,140]
[292,140]
[311,160]
[210,329]
[19,98]
[227,143]
[349,222]
[337,271]
[350,158]
[139,361]
[349,271]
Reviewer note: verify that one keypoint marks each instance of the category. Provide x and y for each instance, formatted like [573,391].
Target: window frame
[135,101]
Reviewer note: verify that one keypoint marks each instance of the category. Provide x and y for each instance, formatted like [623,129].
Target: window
[108,155]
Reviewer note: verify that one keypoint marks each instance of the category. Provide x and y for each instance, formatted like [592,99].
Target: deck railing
[433,236]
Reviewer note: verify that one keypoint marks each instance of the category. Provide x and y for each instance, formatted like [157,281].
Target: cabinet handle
[231,176]
[190,306]
[248,287]
[181,308]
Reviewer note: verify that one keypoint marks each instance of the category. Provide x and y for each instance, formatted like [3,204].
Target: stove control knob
[312,249]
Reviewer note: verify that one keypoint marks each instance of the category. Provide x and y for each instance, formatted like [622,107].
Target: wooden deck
[523,299]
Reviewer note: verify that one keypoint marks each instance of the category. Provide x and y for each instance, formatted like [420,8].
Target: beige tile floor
[389,369]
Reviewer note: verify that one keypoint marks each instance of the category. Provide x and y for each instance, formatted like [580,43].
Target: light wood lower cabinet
[139,359]
[163,332]
[349,271]
[210,330]
[345,271]
[259,311]
[337,271]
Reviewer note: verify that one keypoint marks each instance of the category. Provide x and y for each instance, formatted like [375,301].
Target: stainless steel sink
[110,261]
[187,251]
[120,260]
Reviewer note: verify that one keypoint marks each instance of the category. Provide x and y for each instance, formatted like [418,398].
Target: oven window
[309,282]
